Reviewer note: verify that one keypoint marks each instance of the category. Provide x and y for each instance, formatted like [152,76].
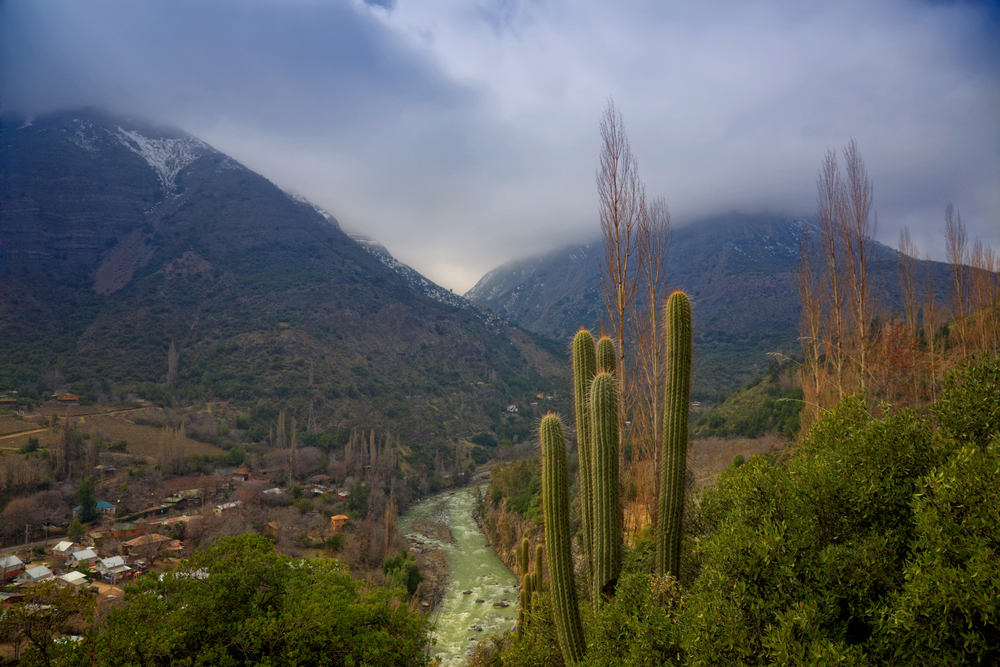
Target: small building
[34,575]
[512,409]
[112,569]
[338,522]
[84,557]
[147,540]
[10,598]
[10,567]
[64,549]
[125,531]
[103,508]
[273,492]
[226,508]
[75,579]
[176,502]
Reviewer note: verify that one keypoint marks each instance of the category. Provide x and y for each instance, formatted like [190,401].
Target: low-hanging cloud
[465,134]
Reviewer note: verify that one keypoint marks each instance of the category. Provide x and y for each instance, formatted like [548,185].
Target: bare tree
[623,202]
[829,207]
[860,225]
[647,423]
[956,249]
[907,279]
[810,326]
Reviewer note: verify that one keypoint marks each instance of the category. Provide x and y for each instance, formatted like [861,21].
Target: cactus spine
[607,506]
[677,396]
[555,503]
[584,369]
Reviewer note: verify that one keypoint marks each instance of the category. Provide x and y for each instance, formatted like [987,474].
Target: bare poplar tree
[829,208]
[810,325]
[623,201]
[647,423]
[859,227]
[956,248]
[907,279]
[929,321]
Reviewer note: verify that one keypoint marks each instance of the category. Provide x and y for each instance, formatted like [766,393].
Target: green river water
[464,619]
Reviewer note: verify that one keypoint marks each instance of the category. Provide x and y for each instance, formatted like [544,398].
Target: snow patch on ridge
[166,156]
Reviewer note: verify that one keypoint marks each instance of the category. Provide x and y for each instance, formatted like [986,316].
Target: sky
[465,133]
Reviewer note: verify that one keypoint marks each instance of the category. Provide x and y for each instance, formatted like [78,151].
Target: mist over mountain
[120,237]
[737,268]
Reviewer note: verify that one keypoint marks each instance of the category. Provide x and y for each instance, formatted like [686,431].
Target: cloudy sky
[464,133]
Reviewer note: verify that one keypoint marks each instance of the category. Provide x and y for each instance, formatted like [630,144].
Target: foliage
[638,627]
[875,541]
[520,485]
[240,603]
[968,408]
[76,530]
[45,611]
[401,571]
[88,501]
[949,604]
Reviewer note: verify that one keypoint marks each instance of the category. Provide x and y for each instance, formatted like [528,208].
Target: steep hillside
[738,269]
[120,238]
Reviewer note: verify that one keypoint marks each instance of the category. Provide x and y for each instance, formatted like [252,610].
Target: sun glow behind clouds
[462,134]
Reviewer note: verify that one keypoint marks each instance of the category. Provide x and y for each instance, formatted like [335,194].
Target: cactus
[606,357]
[522,557]
[677,325]
[538,567]
[555,503]
[607,506]
[584,369]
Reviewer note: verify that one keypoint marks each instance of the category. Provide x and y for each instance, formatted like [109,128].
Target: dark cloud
[463,133]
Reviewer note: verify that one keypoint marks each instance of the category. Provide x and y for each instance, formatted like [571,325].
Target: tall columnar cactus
[555,503]
[606,357]
[584,369]
[522,557]
[607,505]
[677,397]
[538,566]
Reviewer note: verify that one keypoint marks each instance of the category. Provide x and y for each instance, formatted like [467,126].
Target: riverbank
[431,559]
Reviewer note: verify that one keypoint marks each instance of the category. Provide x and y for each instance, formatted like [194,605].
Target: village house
[103,508]
[338,522]
[225,508]
[84,557]
[75,579]
[64,549]
[34,575]
[112,569]
[10,567]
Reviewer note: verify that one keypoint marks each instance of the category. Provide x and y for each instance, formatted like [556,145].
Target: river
[478,579]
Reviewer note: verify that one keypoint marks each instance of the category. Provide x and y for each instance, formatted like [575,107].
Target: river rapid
[478,584]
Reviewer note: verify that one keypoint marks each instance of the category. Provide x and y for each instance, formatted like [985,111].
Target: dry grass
[143,440]
[707,457]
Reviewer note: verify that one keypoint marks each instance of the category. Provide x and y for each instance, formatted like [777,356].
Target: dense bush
[875,542]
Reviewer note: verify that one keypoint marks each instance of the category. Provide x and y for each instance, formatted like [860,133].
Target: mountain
[120,238]
[737,268]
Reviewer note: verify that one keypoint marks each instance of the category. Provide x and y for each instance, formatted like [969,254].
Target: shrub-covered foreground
[877,542]
[240,603]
